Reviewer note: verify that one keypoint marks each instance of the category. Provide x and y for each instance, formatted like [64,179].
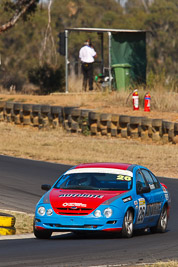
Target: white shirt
[86,54]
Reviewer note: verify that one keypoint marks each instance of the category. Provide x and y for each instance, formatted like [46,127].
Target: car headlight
[49,212]
[108,212]
[97,213]
[41,211]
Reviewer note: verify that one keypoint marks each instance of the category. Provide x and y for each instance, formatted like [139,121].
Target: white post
[66,60]
[110,75]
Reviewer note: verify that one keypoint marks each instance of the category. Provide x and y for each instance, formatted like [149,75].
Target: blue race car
[110,197]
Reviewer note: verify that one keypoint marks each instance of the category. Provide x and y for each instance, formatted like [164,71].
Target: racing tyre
[127,228]
[162,223]
[42,234]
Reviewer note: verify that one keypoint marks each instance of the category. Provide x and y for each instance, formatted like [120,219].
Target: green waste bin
[121,74]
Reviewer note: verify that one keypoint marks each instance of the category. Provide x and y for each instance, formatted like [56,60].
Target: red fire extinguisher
[135,98]
[147,102]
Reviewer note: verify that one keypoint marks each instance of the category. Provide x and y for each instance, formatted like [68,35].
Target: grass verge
[58,146]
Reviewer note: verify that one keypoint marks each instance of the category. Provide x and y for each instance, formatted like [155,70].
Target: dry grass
[163,264]
[57,146]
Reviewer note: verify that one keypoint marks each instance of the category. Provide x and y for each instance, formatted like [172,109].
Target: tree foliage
[29,46]
[17,9]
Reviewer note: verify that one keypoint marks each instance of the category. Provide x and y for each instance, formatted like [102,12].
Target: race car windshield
[95,181]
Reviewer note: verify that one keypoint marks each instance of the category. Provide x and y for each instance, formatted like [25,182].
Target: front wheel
[42,234]
[162,222]
[127,228]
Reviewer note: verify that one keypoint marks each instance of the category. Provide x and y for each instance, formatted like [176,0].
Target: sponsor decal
[153,209]
[141,210]
[74,205]
[152,186]
[82,195]
[127,199]
[135,202]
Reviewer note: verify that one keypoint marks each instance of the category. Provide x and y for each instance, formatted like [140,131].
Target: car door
[143,200]
[154,207]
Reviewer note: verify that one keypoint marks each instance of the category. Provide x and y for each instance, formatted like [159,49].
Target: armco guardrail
[89,122]
[7,223]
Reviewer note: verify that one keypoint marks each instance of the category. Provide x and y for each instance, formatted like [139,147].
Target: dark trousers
[87,70]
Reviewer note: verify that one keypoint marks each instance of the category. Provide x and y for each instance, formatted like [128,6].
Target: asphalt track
[20,182]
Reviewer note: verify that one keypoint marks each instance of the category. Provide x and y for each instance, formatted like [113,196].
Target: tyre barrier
[146,128]
[8,111]
[55,118]
[84,122]
[94,121]
[7,223]
[67,118]
[89,122]
[26,114]
[156,129]
[17,113]
[35,115]
[113,125]
[167,131]
[124,121]
[44,116]
[75,120]
[134,127]
[175,137]
[7,230]
[104,123]
[2,105]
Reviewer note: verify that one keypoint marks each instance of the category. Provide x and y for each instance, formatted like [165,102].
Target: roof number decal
[124,178]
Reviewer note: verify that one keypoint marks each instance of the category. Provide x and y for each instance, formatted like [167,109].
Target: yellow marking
[124,178]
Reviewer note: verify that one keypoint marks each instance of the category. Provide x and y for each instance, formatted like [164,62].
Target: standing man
[87,55]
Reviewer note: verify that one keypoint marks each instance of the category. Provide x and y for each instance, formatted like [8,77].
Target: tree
[163,41]
[19,9]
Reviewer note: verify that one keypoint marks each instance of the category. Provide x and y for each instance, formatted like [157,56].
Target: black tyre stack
[113,125]
[36,115]
[55,117]
[94,122]
[26,114]
[167,131]
[105,120]
[17,113]
[134,129]
[2,106]
[124,120]
[44,116]
[156,129]
[75,120]
[146,128]
[8,112]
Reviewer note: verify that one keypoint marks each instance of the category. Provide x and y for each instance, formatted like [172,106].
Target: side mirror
[46,187]
[143,190]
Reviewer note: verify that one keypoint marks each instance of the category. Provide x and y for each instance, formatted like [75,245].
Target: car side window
[155,180]
[149,179]
[140,181]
